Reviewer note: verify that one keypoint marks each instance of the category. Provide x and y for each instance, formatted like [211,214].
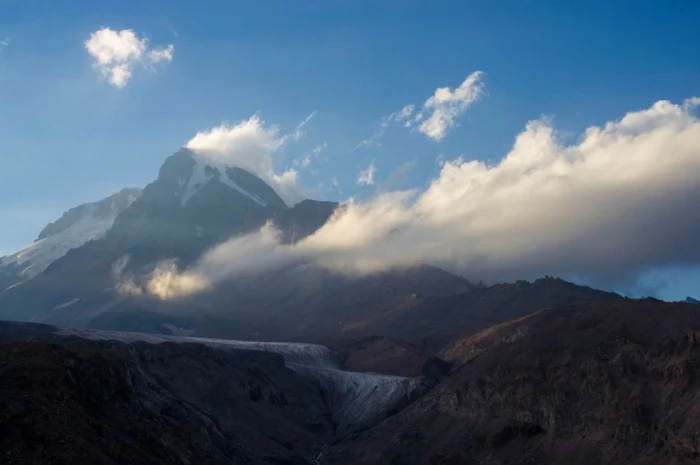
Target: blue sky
[71,137]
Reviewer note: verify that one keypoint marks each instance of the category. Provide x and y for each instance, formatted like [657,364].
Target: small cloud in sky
[117,53]
[366,177]
[299,131]
[303,162]
[374,141]
[4,43]
[319,148]
[438,114]
[384,123]
[399,116]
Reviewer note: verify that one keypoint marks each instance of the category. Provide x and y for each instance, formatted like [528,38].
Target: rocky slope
[612,382]
[608,382]
[79,401]
[433,322]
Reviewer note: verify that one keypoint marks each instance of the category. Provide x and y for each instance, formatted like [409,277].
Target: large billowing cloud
[251,144]
[619,201]
[118,53]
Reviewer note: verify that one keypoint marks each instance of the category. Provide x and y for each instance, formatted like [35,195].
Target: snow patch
[34,258]
[205,170]
[37,256]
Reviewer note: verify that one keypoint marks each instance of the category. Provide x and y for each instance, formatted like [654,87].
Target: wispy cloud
[299,131]
[384,123]
[303,161]
[117,53]
[366,177]
[319,148]
[438,114]
[4,43]
[617,201]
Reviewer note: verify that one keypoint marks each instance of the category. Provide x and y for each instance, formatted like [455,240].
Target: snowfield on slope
[356,400]
[201,178]
[37,256]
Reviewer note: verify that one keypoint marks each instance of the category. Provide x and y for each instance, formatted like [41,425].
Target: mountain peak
[190,173]
[690,300]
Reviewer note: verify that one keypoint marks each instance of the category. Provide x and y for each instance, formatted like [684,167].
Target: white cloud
[118,53]
[374,141]
[319,148]
[620,200]
[303,162]
[161,54]
[397,116]
[438,114]
[366,177]
[4,43]
[384,123]
[251,145]
[299,130]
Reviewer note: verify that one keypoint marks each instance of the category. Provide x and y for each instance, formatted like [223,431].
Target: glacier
[356,400]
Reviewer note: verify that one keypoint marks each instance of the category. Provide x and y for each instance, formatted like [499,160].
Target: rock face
[78,401]
[589,383]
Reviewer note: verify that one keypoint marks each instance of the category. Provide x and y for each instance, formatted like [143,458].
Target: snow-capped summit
[194,202]
[192,174]
[73,229]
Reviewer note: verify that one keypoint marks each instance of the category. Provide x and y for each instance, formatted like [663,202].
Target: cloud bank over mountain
[620,200]
[252,145]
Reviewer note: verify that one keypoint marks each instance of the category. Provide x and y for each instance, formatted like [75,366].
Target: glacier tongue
[356,400]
